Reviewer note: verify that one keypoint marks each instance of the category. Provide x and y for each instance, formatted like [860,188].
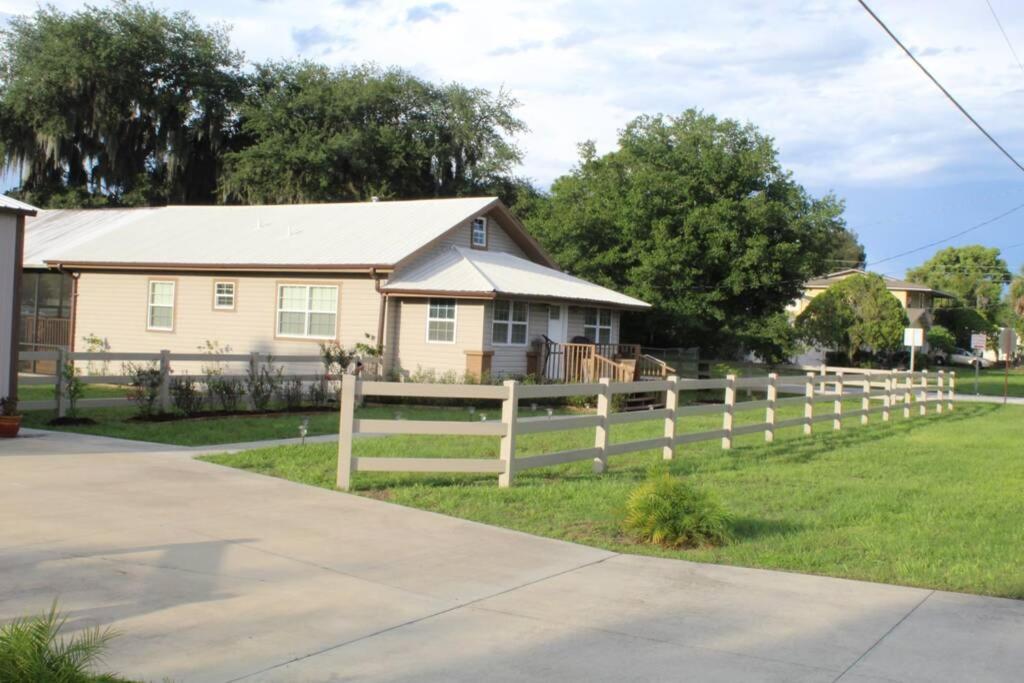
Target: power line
[939,86]
[1005,37]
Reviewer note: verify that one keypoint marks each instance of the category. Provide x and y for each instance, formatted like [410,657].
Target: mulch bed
[71,421]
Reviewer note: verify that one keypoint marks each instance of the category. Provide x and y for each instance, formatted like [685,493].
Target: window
[509,325]
[307,311]
[597,325]
[224,296]
[441,321]
[480,233]
[160,314]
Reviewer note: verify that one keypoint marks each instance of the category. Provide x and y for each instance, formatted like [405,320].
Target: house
[917,300]
[448,285]
[12,237]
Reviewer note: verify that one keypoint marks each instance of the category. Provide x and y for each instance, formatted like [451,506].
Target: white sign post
[979,342]
[913,337]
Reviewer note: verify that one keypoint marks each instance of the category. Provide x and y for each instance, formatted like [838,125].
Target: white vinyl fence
[880,393]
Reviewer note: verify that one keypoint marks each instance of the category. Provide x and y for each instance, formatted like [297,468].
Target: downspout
[74,304]
[381,314]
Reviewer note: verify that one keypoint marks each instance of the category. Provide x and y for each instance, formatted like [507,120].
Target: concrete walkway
[214,574]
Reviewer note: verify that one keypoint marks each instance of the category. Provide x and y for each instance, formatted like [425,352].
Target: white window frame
[307,310]
[150,305]
[454,320]
[480,222]
[598,326]
[525,324]
[217,306]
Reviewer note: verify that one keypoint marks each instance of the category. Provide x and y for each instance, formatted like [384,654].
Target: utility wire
[1005,37]
[939,86]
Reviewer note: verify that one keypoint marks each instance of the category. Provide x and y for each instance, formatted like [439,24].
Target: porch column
[12,241]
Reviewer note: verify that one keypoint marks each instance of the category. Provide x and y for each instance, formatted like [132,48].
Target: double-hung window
[441,321]
[597,325]
[160,308]
[309,311]
[224,296]
[479,234]
[510,322]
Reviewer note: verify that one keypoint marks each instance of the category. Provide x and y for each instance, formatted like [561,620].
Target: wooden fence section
[164,360]
[879,394]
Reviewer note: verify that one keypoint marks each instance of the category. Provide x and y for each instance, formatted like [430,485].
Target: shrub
[669,511]
[214,369]
[186,395]
[8,406]
[942,339]
[31,650]
[262,381]
[227,391]
[97,344]
[143,387]
[319,393]
[290,393]
[73,386]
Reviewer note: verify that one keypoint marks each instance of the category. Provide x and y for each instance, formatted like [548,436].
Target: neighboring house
[917,300]
[449,285]
[12,237]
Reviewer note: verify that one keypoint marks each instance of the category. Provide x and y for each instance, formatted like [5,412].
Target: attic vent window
[479,233]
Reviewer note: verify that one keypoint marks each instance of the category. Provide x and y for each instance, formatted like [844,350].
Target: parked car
[963,357]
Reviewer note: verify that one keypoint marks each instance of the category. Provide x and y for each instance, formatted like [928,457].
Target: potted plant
[10,421]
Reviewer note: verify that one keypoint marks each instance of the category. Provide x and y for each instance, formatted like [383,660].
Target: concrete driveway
[213,574]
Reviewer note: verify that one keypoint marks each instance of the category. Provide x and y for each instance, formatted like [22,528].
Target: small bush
[290,393]
[186,395]
[227,391]
[73,387]
[32,650]
[669,511]
[319,393]
[143,387]
[262,381]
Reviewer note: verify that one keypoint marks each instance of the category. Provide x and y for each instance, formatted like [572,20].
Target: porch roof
[465,271]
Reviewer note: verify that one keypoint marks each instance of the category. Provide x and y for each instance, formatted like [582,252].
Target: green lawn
[42,392]
[991,381]
[931,502]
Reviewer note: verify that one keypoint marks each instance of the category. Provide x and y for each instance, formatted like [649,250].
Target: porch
[585,362]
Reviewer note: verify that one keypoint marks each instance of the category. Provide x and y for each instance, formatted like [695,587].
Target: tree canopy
[857,313]
[695,215]
[975,274]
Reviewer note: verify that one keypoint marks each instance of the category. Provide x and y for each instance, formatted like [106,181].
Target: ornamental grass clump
[672,512]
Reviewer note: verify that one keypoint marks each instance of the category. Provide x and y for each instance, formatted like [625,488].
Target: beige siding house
[445,285]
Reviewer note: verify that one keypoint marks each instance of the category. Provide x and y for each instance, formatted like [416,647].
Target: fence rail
[879,392]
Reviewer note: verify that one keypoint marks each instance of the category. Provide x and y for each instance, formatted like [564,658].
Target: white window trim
[482,220]
[234,293]
[150,304]
[454,321]
[510,323]
[307,311]
[598,326]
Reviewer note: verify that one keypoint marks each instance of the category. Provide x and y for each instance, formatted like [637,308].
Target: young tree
[119,104]
[696,216]
[857,313]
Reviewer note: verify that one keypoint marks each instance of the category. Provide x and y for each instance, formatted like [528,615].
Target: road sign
[1008,342]
[979,342]
[913,336]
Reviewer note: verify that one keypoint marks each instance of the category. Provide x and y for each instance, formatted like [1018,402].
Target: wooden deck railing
[574,362]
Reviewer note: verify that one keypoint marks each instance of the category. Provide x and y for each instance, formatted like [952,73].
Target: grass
[204,431]
[932,502]
[990,382]
[43,392]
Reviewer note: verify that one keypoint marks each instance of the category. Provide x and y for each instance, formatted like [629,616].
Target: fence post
[952,390]
[604,403]
[888,398]
[865,402]
[671,403]
[823,371]
[809,405]
[58,387]
[509,417]
[769,414]
[940,385]
[347,402]
[165,381]
[728,409]
[924,392]
[908,394]
[837,405]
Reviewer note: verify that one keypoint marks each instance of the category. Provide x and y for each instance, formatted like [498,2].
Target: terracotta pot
[9,425]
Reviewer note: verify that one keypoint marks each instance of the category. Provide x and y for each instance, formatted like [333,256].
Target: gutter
[381,312]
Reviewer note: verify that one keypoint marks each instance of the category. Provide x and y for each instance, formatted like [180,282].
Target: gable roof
[17,206]
[472,272]
[891,283]
[353,235]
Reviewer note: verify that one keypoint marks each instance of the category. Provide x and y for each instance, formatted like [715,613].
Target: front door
[558,330]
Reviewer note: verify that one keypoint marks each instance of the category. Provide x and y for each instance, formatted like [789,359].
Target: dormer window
[479,235]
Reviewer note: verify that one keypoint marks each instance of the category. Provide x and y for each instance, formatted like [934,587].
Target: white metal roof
[307,235]
[12,204]
[470,271]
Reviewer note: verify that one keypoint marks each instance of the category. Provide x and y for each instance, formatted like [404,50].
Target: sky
[849,112]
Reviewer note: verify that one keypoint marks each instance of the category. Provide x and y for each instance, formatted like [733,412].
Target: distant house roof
[891,283]
[463,272]
[307,236]
[12,204]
